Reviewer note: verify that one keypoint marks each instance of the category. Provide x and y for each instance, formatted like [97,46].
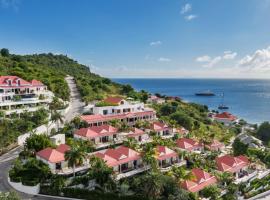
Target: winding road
[76,107]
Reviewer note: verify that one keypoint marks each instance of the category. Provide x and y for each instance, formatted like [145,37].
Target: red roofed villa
[216,146]
[236,165]
[162,129]
[130,118]
[188,144]
[15,92]
[123,160]
[225,117]
[100,135]
[139,135]
[55,158]
[116,106]
[167,157]
[201,180]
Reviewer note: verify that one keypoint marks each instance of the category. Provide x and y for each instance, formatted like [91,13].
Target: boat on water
[205,93]
[222,106]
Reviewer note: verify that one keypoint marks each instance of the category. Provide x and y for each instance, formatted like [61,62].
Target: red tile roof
[215,145]
[135,132]
[187,144]
[182,131]
[63,148]
[4,82]
[118,156]
[225,115]
[96,131]
[54,155]
[159,126]
[113,100]
[106,118]
[228,163]
[164,152]
[36,83]
[202,179]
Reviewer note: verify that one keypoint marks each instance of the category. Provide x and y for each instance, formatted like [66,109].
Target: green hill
[51,70]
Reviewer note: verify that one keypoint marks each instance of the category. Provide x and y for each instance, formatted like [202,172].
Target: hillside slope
[51,70]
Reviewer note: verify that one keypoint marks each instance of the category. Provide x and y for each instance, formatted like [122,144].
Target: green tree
[264,132]
[9,196]
[180,174]
[75,157]
[37,142]
[100,171]
[4,52]
[212,192]
[182,119]
[58,118]
[239,148]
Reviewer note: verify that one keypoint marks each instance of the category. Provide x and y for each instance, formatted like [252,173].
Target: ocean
[247,98]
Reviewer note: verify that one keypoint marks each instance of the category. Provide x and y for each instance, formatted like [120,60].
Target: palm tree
[75,156]
[131,143]
[149,156]
[100,171]
[180,174]
[58,118]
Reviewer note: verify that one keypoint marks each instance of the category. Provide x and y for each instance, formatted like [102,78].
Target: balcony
[132,172]
[245,176]
[168,166]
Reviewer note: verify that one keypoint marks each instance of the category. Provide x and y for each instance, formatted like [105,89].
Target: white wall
[26,189]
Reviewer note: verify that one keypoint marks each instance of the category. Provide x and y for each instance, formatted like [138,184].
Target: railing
[246,178]
[132,172]
[169,166]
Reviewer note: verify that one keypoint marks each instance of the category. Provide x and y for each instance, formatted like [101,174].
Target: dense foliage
[263,132]
[11,129]
[193,117]
[52,69]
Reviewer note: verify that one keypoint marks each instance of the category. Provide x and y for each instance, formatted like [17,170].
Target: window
[105,112]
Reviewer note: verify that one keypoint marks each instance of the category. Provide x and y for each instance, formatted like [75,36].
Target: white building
[117,105]
[18,95]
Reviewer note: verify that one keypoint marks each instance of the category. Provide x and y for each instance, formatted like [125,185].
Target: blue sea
[248,99]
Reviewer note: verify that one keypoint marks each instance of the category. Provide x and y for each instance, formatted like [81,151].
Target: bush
[30,182]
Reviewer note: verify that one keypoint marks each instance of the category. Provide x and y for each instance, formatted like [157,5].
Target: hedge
[87,194]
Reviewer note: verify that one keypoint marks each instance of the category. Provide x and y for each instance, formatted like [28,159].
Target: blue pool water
[249,99]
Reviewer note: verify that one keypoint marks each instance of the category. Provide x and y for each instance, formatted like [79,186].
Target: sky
[145,38]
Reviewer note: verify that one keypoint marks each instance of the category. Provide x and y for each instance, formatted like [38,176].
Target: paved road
[76,104]
[76,107]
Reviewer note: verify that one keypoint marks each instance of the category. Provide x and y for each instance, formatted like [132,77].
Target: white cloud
[211,62]
[190,17]
[162,59]
[186,8]
[155,43]
[259,61]
[205,58]
[228,55]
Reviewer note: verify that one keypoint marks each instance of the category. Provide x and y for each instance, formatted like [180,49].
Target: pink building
[201,180]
